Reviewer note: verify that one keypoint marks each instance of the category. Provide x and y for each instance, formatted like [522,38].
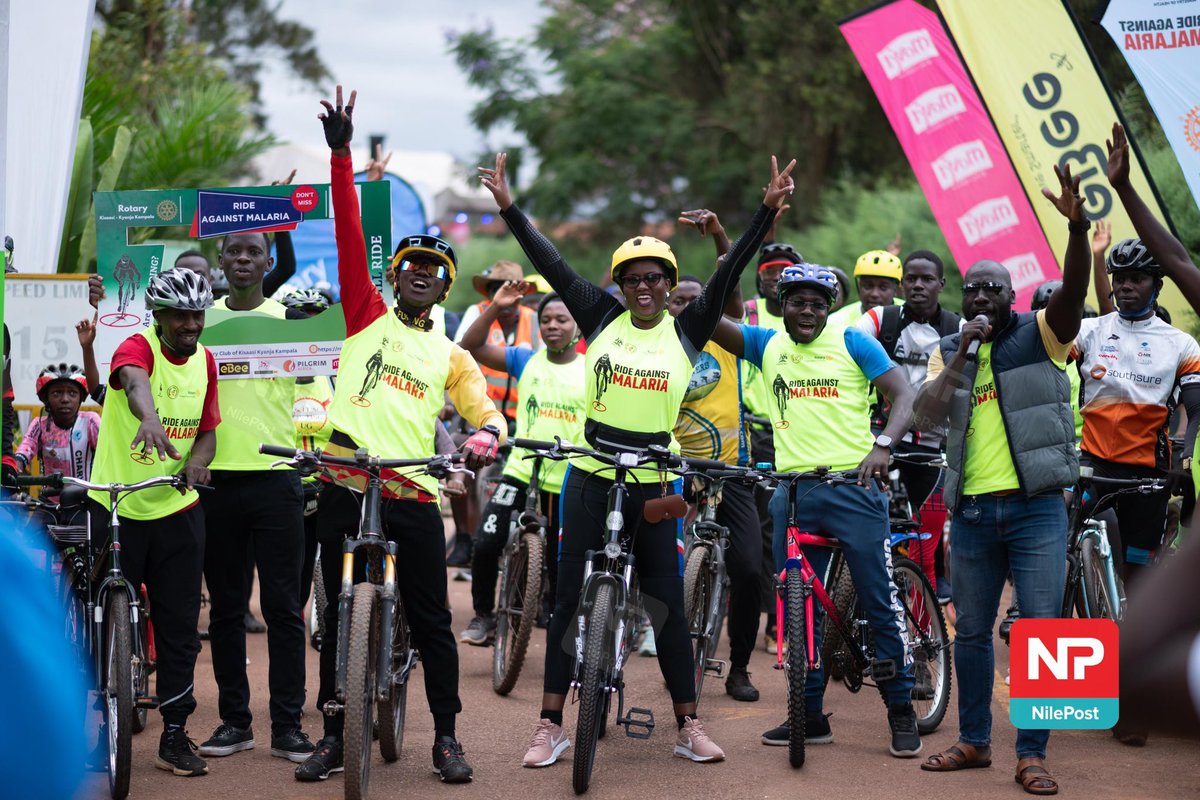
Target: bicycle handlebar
[921,459]
[58,481]
[363,460]
[1143,485]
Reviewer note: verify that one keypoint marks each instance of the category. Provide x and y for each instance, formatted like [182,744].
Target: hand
[480,448]
[874,467]
[86,331]
[151,436]
[377,166]
[285,181]
[95,290]
[975,330]
[338,121]
[1118,157]
[771,237]
[704,221]
[8,476]
[1069,203]
[196,473]
[1101,238]
[510,294]
[781,184]
[497,182]
[1179,483]
[454,487]
[894,246]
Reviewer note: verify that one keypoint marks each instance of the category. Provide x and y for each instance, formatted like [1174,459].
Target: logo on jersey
[604,373]
[780,389]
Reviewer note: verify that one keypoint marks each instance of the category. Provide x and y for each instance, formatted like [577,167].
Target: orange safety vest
[502,387]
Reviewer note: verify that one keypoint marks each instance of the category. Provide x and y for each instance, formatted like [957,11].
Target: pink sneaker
[549,742]
[694,743]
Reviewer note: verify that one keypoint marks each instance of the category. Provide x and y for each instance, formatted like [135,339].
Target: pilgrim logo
[604,374]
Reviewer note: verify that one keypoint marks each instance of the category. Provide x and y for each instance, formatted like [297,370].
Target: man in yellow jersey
[257,512]
[1010,450]
[160,419]
[396,419]
[877,276]
[822,418]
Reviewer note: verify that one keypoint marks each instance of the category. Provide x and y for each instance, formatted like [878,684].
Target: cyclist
[162,405]
[64,438]
[396,420]
[648,363]
[877,276]
[551,383]
[823,419]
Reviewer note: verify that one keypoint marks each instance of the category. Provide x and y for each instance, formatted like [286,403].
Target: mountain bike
[106,618]
[522,583]
[375,653]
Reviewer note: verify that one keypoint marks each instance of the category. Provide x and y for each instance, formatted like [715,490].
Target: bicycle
[522,583]
[798,584]
[106,618]
[370,614]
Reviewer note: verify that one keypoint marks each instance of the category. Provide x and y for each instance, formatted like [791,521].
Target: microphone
[973,348]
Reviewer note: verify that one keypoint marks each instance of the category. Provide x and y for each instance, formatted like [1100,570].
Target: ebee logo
[234,368]
[1064,673]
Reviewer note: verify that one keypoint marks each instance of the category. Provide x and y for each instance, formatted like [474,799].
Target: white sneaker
[648,648]
[694,743]
[549,742]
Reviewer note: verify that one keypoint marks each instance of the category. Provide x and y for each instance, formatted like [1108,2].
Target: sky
[395,55]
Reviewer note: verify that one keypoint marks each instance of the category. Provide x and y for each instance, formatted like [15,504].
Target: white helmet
[179,288]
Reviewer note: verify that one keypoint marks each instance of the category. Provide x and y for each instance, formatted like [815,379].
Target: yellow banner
[1050,107]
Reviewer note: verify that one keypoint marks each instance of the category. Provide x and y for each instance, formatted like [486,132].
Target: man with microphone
[1001,385]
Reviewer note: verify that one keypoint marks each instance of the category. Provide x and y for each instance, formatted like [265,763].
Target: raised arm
[1100,242]
[1065,309]
[474,340]
[150,434]
[728,337]
[86,331]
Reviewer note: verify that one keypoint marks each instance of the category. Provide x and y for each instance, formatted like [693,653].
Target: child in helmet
[63,438]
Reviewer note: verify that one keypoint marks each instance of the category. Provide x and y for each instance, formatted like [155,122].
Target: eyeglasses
[438,271]
[805,305]
[651,280]
[990,288]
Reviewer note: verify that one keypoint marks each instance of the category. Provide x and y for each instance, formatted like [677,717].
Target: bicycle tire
[316,611]
[841,593]
[118,692]
[520,602]
[361,661]
[929,642]
[795,662]
[392,708]
[592,689]
[697,598]
[1098,604]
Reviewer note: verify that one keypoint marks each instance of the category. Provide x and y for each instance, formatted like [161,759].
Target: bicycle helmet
[1131,254]
[55,373]
[645,247]
[179,288]
[843,281]
[310,301]
[879,264]
[811,275]
[1041,295]
[429,245]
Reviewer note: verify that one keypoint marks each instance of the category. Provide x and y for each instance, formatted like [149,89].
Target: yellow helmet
[879,264]
[641,247]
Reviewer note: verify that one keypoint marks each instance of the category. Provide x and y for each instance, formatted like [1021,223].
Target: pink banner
[958,158]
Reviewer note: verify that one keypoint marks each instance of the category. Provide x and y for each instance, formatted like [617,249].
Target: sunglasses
[990,288]
[438,271]
[651,280]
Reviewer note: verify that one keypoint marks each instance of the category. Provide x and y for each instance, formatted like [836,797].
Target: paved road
[496,730]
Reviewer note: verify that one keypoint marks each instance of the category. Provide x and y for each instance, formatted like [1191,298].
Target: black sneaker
[906,740]
[293,745]
[1010,616]
[449,761]
[459,554]
[177,753]
[480,631]
[227,740]
[738,686]
[325,760]
[816,731]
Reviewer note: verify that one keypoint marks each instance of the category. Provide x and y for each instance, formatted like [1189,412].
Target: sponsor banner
[221,213]
[1161,44]
[1050,107]
[953,148]
[1064,673]
[249,345]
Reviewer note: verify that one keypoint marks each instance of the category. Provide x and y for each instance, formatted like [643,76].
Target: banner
[245,344]
[1050,107]
[1161,44]
[951,144]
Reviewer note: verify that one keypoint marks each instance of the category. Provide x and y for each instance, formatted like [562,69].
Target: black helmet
[1132,254]
[1041,295]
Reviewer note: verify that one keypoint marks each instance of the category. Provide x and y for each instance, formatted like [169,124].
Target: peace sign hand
[781,184]
[497,182]
[1069,203]
[377,166]
[338,121]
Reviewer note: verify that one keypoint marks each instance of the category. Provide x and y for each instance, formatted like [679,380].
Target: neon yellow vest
[710,421]
[819,403]
[178,391]
[552,404]
[390,388]
[755,394]
[253,410]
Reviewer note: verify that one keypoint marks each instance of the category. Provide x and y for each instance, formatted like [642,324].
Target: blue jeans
[858,517]
[990,536]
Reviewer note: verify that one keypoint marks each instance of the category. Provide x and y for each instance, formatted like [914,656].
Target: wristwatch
[883,440]
[492,429]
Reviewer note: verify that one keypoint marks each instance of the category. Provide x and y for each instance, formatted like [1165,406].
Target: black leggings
[658,548]
[507,502]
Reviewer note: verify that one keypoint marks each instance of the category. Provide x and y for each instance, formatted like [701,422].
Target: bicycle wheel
[520,602]
[795,662]
[592,688]
[1098,602]
[928,642]
[316,611]
[392,707]
[834,656]
[697,598]
[361,661]
[141,671]
[118,691]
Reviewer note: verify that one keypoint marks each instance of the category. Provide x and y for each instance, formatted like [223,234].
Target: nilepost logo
[1064,673]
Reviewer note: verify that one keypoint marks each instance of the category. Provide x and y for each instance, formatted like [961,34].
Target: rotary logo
[167,210]
[1191,127]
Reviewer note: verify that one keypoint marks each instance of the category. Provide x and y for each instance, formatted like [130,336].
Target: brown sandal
[959,756]
[1034,777]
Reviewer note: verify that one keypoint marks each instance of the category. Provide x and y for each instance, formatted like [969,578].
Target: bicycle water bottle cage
[882,669]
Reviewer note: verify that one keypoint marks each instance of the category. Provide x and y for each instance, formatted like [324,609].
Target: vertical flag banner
[950,142]
[1161,44]
[1050,106]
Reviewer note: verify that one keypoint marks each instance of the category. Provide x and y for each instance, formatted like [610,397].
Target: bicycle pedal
[716,666]
[332,708]
[642,718]
[147,702]
[882,670]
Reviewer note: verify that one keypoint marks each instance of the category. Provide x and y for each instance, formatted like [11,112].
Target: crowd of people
[1011,397]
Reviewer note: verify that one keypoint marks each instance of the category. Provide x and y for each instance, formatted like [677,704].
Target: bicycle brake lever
[459,469]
